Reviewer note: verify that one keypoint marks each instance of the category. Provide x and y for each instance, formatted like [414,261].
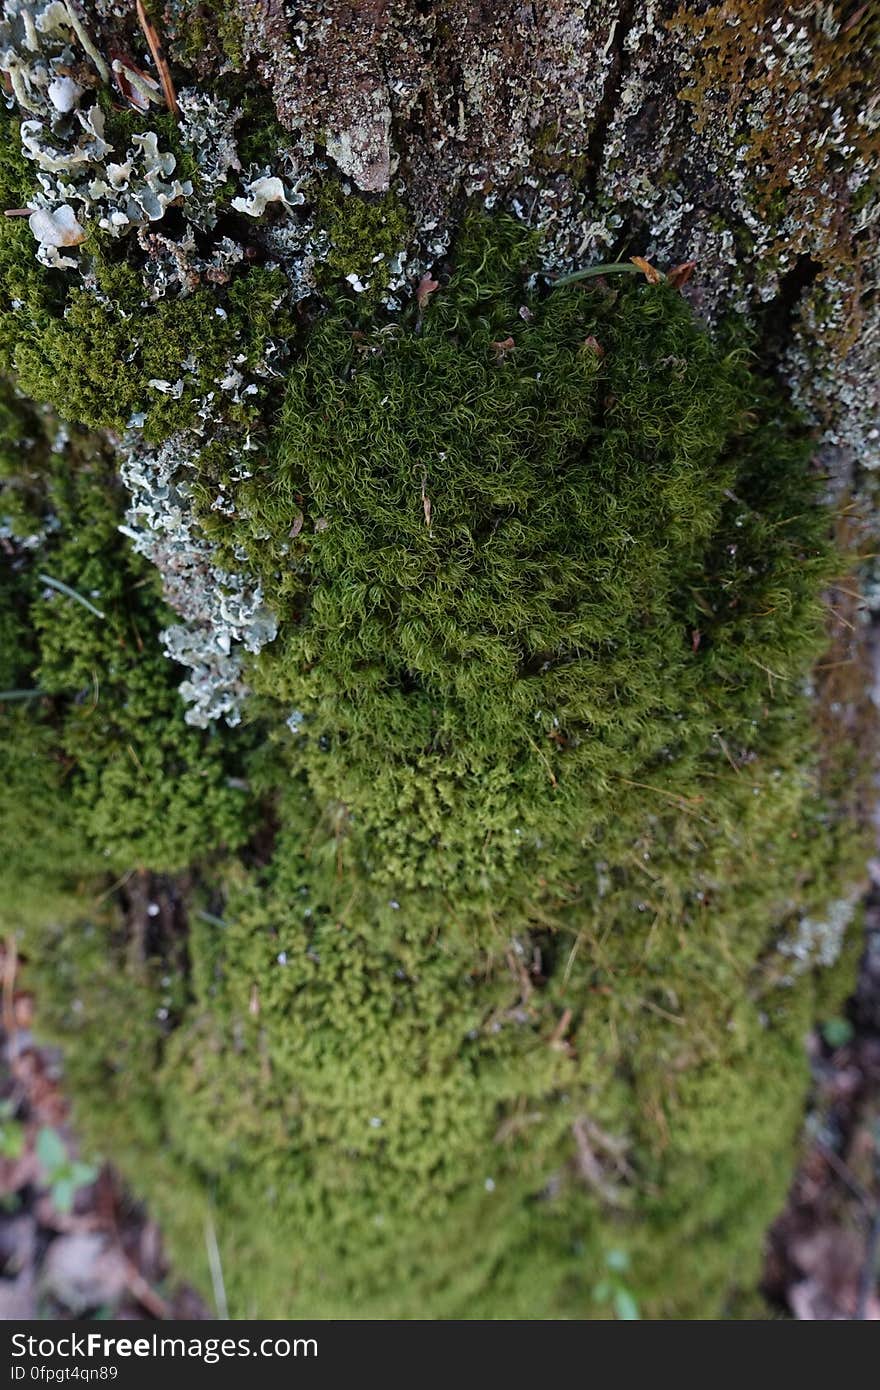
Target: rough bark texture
[741,136]
[533,839]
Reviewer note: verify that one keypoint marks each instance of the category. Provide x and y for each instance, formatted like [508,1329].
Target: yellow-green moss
[557,572]
[375,1101]
[92,356]
[201,23]
[94,361]
[568,567]
[363,235]
[103,760]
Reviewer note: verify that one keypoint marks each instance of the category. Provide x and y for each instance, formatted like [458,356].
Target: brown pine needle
[155,43]
[557,1037]
[728,755]
[840,618]
[145,1295]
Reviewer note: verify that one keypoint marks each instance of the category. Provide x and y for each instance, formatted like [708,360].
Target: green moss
[363,235]
[210,23]
[94,361]
[106,763]
[502,997]
[80,363]
[16,172]
[148,789]
[45,856]
[22,454]
[92,357]
[359,1085]
[568,568]
[258,133]
[35,813]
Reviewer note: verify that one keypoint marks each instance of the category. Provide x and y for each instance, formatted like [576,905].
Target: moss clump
[93,356]
[502,998]
[22,451]
[201,24]
[374,1100]
[148,789]
[363,234]
[568,568]
[113,771]
[95,361]
[45,855]
[258,133]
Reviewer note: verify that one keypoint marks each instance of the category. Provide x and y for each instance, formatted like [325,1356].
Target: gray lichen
[817,942]
[223,613]
[81,177]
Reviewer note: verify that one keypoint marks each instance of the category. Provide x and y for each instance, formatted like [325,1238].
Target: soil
[101,1258]
[823,1256]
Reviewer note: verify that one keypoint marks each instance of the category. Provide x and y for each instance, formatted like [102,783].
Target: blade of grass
[216,1268]
[70,593]
[613,268]
[209,917]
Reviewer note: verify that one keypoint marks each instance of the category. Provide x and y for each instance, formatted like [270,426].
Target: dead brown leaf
[680,274]
[426,288]
[503,347]
[132,92]
[652,275]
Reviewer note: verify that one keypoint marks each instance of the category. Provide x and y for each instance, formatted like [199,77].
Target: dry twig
[155,44]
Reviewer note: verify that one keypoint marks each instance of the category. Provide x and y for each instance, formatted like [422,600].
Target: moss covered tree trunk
[438,753]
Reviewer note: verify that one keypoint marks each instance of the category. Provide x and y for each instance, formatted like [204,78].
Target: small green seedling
[64,1175]
[837,1032]
[613,1290]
